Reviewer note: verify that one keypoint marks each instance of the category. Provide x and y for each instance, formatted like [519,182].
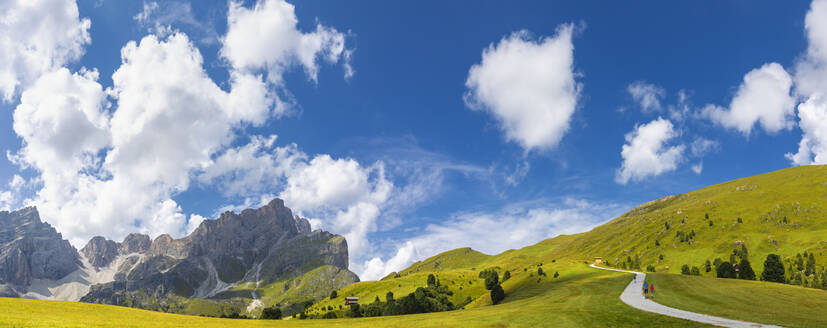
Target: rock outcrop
[31,249]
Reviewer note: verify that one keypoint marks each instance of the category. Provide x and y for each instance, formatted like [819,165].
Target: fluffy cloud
[811,71]
[811,82]
[491,233]
[646,152]
[37,37]
[528,86]
[266,37]
[812,149]
[764,97]
[119,173]
[648,96]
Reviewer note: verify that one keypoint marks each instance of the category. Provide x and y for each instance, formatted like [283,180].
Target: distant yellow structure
[598,260]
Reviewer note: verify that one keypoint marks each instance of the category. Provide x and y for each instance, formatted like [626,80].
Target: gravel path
[633,296]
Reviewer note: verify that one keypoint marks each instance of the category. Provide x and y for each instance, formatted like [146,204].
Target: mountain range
[215,270]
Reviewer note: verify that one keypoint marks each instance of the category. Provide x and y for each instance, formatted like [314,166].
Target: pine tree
[745,270]
[695,271]
[799,262]
[707,266]
[685,269]
[506,275]
[725,270]
[773,269]
[811,265]
[497,294]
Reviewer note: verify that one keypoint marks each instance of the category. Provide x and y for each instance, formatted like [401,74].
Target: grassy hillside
[798,194]
[580,297]
[761,202]
[772,303]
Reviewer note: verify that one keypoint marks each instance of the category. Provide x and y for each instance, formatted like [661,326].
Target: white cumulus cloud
[811,83]
[763,98]
[529,86]
[118,173]
[647,152]
[266,37]
[36,37]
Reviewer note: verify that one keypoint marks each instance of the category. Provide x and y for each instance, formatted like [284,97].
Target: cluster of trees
[803,271]
[492,283]
[694,271]
[738,265]
[432,298]
[685,237]
[633,264]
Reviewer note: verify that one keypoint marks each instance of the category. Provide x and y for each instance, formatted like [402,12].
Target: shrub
[710,223]
[506,275]
[650,268]
[657,243]
[271,313]
[685,269]
[540,272]
[329,315]
[660,257]
[773,269]
[431,280]
[497,294]
[333,294]
[695,271]
[556,274]
[707,266]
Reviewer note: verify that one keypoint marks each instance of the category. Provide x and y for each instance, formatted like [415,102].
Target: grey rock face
[32,249]
[135,243]
[100,251]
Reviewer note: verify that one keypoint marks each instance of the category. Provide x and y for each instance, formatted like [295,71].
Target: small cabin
[598,260]
[351,300]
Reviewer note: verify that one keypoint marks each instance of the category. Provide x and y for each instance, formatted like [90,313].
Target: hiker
[645,289]
[652,290]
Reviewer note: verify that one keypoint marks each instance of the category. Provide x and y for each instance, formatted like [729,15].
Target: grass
[764,302]
[581,297]
[761,201]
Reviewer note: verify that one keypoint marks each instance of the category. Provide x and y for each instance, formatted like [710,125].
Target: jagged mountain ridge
[256,246]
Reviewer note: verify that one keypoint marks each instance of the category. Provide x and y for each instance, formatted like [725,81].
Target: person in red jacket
[652,290]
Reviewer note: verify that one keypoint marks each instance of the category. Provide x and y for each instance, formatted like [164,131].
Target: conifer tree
[745,270]
[773,269]
[811,265]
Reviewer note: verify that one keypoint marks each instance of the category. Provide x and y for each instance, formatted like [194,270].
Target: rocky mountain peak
[32,249]
[100,252]
[135,243]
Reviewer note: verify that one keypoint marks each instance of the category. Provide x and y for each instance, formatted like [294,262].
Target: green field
[580,297]
[764,302]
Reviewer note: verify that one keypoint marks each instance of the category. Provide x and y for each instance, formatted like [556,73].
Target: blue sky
[381,132]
